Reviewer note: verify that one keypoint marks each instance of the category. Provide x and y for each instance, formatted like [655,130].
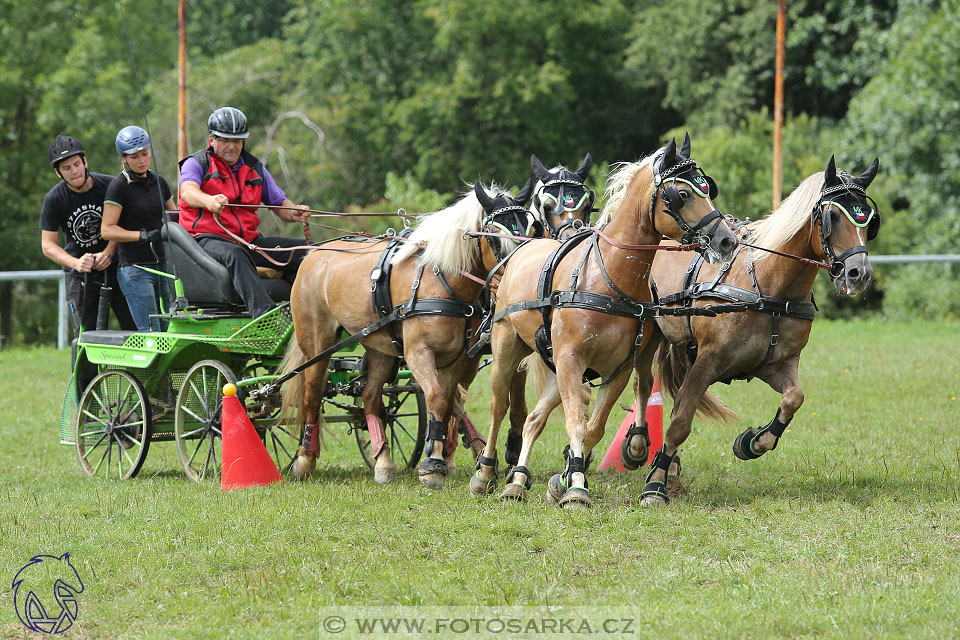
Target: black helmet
[228,122]
[64,147]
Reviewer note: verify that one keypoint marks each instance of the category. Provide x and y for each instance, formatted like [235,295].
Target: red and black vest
[246,187]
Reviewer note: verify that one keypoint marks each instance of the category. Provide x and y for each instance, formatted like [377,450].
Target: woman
[132,216]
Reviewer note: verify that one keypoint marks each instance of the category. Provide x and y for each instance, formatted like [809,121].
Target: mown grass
[850,529]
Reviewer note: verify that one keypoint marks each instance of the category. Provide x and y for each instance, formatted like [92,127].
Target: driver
[225,174]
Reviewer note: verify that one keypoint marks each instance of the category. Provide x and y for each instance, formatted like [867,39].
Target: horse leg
[314,381]
[784,378]
[569,382]
[422,364]
[379,370]
[507,355]
[518,418]
[519,480]
[698,377]
[636,444]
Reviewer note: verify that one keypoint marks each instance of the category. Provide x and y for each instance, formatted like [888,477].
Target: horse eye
[834,217]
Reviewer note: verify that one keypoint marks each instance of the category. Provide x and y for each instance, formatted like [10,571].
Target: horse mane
[617,184]
[790,217]
[442,235]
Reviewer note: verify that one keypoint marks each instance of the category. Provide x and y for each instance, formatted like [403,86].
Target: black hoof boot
[626,458]
[655,491]
[433,472]
[743,445]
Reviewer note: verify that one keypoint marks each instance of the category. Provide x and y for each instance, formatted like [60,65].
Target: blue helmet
[131,140]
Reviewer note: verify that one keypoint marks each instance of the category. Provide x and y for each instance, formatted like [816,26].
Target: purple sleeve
[191,172]
[272,194]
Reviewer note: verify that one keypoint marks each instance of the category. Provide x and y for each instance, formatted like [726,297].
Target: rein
[318,213]
[815,263]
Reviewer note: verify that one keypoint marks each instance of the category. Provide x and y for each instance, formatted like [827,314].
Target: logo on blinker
[858,212]
[45,594]
[701,183]
[568,201]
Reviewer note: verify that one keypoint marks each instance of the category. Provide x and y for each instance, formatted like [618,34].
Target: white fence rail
[63,320]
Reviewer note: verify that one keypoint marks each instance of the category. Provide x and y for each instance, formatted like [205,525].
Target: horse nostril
[853,273]
[727,245]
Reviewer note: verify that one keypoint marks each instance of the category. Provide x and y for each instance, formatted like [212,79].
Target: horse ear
[867,176]
[830,173]
[538,169]
[485,200]
[584,168]
[670,155]
[685,147]
[524,193]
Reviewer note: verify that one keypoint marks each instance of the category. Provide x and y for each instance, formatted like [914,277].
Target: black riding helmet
[64,147]
[228,122]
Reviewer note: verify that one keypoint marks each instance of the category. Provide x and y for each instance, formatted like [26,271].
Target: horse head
[506,215]
[847,218]
[685,196]
[561,199]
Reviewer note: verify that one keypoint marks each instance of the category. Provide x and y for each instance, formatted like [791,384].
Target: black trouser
[242,264]
[83,299]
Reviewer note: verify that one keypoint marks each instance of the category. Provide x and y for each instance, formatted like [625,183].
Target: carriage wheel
[404,422]
[196,425]
[112,429]
[282,441]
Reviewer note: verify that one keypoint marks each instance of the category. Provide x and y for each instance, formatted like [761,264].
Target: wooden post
[778,104]
[182,95]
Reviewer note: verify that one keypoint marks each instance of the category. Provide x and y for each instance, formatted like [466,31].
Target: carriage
[129,389]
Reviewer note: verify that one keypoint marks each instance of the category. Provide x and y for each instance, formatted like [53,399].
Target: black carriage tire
[197,416]
[402,404]
[113,420]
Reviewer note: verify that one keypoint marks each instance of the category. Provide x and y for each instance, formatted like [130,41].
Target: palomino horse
[561,199]
[828,217]
[591,298]
[430,328]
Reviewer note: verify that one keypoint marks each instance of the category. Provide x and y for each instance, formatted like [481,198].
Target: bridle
[685,170]
[512,220]
[847,190]
[585,202]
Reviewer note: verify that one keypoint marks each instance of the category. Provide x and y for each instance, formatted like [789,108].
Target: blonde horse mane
[790,217]
[442,235]
[617,184]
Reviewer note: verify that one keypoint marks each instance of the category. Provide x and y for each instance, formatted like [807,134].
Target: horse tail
[292,404]
[538,371]
[671,367]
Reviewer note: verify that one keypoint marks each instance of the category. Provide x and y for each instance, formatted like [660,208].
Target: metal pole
[778,103]
[182,97]
[62,318]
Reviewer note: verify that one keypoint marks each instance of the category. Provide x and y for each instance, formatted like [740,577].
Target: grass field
[850,529]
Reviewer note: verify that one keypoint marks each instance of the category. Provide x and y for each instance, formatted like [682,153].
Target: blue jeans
[143,291]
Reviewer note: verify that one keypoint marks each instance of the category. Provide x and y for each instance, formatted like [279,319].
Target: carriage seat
[206,281]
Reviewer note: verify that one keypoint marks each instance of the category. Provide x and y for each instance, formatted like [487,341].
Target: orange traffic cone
[246,462]
[654,423]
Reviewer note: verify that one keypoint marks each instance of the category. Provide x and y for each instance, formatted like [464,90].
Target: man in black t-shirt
[75,206]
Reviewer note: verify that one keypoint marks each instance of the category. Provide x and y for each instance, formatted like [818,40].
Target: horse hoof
[741,445]
[652,501]
[432,472]
[482,487]
[576,498]
[629,461]
[555,489]
[386,475]
[516,492]
[304,465]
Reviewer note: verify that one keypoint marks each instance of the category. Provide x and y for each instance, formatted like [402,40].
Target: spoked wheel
[196,426]
[404,422]
[112,429]
[282,441]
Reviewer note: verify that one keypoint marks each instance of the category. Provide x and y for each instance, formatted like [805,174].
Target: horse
[434,270]
[828,218]
[561,199]
[584,304]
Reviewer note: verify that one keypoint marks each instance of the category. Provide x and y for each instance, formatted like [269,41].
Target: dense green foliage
[342,93]
[848,530]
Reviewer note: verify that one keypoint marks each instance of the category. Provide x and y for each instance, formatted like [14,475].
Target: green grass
[850,529]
